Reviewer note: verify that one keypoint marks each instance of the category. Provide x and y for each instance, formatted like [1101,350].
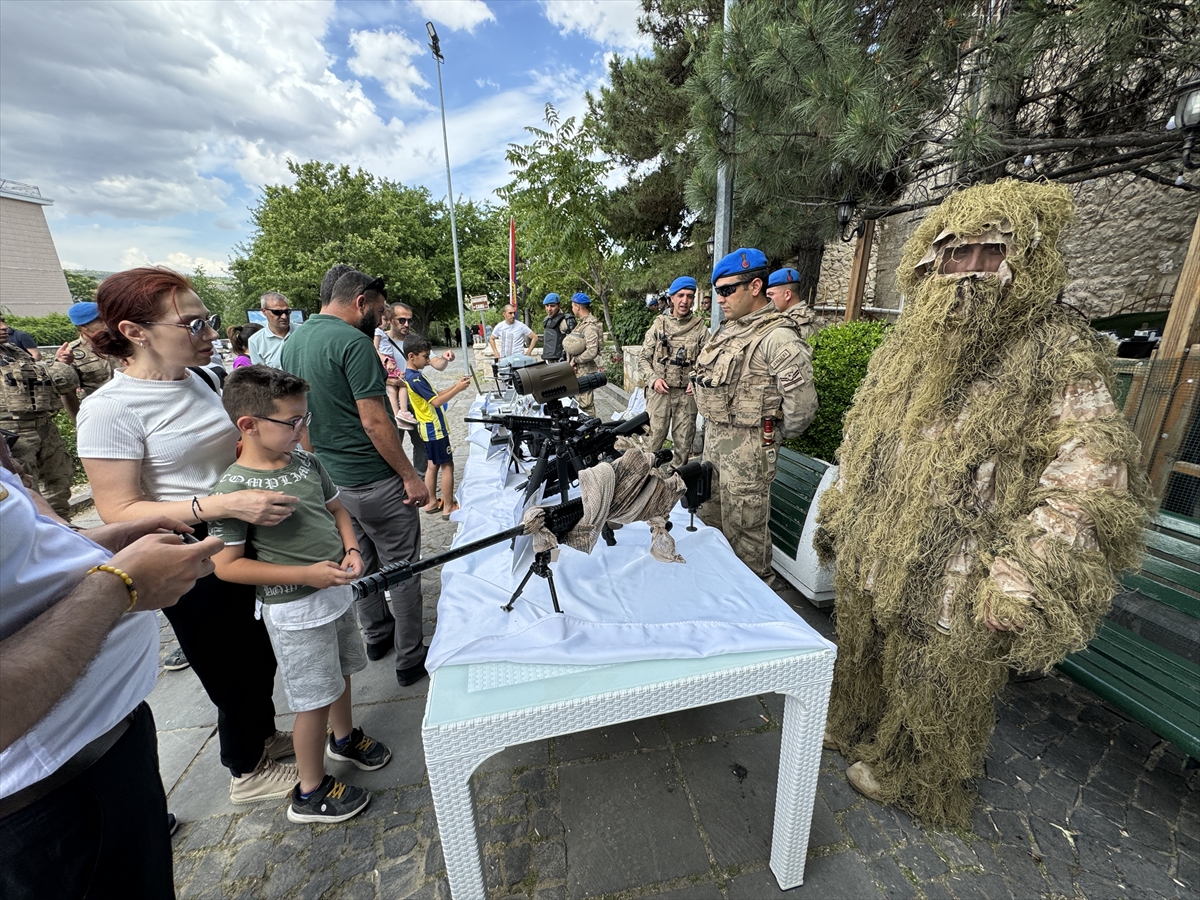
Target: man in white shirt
[266,346]
[82,808]
[508,338]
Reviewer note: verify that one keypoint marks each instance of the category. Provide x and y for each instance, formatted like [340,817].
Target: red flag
[512,261]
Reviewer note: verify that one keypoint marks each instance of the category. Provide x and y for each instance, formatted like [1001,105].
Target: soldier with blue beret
[669,352]
[753,385]
[783,289]
[583,346]
[558,325]
[92,369]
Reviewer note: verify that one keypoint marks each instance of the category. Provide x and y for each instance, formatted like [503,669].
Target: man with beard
[754,386]
[354,435]
[669,351]
[558,325]
[989,489]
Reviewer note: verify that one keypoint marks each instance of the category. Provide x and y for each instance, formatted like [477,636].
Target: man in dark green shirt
[355,437]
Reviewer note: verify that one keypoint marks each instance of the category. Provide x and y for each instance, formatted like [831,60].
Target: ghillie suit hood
[986,475]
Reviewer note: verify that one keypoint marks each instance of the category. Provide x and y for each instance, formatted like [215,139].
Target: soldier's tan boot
[863,780]
[828,742]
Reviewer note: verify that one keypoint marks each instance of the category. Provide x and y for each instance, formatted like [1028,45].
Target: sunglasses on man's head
[279,312]
[726,290]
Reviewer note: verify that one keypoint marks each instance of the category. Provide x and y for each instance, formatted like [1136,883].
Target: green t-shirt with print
[341,367]
[309,535]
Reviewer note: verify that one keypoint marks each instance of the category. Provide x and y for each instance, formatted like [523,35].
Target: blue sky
[153,125]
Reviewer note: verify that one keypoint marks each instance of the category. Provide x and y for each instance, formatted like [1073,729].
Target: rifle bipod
[540,567]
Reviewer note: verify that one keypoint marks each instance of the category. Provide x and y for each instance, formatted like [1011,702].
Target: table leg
[454,803]
[799,766]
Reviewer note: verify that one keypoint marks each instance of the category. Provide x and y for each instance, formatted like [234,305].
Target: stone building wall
[1127,244]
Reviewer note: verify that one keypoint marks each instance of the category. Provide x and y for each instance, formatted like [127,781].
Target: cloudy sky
[153,125]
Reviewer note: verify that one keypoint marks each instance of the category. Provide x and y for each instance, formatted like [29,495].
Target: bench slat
[1163,593]
[1168,544]
[1177,679]
[1182,524]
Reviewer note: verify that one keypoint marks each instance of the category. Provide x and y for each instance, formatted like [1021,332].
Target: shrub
[67,429]
[613,359]
[49,330]
[840,356]
[631,320]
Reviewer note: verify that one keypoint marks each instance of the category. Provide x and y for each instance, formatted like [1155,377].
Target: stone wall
[1127,244]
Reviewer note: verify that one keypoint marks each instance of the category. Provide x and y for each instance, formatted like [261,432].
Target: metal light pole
[435,46]
[723,219]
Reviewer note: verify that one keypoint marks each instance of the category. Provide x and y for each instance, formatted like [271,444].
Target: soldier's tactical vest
[727,393]
[676,347]
[30,389]
[552,348]
[94,370]
[805,319]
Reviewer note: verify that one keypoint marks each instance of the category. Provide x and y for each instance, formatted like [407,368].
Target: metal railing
[17,187]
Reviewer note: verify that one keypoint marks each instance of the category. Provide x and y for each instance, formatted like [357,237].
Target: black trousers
[232,656]
[101,835]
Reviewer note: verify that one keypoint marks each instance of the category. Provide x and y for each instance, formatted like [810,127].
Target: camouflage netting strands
[985,475]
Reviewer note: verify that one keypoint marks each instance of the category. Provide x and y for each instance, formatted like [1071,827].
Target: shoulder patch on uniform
[790,378]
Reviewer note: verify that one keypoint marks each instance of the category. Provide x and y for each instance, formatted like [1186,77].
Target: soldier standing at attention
[669,352]
[92,369]
[558,325]
[583,346]
[783,289]
[29,398]
[753,384]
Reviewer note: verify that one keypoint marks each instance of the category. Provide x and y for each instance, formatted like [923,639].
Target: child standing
[426,405]
[303,571]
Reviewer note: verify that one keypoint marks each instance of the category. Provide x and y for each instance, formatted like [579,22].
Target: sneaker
[379,649]
[280,745]
[172,823]
[269,781]
[406,420]
[366,753]
[863,780]
[410,676]
[176,660]
[333,801]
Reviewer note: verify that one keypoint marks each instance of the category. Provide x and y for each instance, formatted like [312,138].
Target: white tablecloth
[619,603]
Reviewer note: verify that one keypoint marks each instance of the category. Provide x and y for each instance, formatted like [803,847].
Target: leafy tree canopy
[82,285]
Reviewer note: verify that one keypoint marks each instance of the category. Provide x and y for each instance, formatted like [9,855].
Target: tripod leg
[520,587]
[553,593]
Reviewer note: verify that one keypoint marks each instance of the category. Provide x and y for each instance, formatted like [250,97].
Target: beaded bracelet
[113,570]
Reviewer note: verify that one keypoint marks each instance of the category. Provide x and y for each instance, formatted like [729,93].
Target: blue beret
[82,313]
[743,260]
[683,282]
[783,276]
[582,299]
[550,298]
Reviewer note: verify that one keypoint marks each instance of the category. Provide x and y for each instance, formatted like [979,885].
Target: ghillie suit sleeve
[985,476]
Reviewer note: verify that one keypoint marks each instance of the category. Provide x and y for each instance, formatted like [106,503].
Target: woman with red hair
[154,440]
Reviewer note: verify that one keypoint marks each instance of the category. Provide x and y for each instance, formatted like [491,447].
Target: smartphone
[188,538]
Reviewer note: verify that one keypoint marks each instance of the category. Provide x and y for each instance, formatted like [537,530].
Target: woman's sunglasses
[195,326]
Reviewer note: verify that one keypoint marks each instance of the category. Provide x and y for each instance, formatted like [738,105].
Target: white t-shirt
[41,561]
[266,347]
[511,339]
[177,429]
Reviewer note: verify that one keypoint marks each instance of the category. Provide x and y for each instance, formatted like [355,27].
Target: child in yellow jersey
[426,405]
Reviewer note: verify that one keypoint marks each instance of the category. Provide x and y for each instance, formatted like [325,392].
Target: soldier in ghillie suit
[92,369]
[29,398]
[754,387]
[669,352]
[989,489]
[783,289]
[583,346]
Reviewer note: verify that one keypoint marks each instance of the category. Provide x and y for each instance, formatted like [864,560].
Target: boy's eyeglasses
[194,326]
[727,290]
[279,312]
[294,424]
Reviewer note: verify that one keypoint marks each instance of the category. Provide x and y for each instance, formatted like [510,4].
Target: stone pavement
[1078,802]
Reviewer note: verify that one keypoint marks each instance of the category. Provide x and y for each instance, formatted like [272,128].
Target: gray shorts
[313,662]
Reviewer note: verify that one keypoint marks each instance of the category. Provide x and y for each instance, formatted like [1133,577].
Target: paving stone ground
[1078,802]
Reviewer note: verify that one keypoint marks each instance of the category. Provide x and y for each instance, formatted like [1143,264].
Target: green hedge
[49,331]
[631,321]
[840,356]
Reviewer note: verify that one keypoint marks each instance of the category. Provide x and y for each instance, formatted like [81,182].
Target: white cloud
[612,23]
[457,15]
[387,56]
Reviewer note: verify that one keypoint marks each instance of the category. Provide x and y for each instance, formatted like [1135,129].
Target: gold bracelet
[113,570]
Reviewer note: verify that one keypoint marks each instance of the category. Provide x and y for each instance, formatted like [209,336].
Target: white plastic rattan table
[475,711]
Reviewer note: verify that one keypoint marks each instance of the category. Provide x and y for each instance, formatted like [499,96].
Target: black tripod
[540,567]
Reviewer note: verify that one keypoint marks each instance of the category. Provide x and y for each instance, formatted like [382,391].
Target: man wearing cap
[753,385]
[558,325]
[92,369]
[29,397]
[783,289]
[669,351]
[583,346]
[266,346]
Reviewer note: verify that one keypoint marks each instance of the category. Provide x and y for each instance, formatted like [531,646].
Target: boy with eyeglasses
[303,568]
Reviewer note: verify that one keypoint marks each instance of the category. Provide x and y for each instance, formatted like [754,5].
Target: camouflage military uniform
[754,368]
[29,398]
[587,360]
[93,370]
[805,319]
[669,352]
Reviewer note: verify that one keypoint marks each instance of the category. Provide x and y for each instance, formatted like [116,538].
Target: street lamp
[435,46]
[1187,117]
[710,245]
[845,213]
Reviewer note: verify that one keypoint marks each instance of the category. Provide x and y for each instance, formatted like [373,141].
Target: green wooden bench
[1149,683]
[797,478]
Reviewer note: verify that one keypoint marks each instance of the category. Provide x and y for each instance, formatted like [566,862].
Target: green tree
[221,296]
[562,206]
[81,285]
